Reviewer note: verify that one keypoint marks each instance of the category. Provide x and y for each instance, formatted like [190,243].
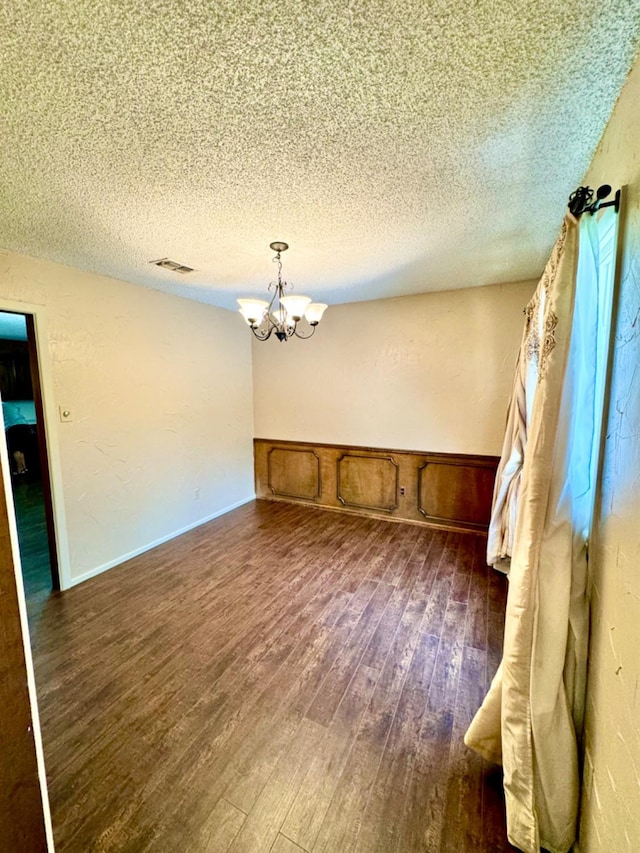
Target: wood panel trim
[456,494]
[378,508]
[479,460]
[444,519]
[275,491]
[437,519]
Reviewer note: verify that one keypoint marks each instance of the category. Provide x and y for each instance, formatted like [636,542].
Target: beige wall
[430,372]
[611,797]
[160,394]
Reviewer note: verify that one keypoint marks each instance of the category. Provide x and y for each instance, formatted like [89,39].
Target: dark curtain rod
[581,201]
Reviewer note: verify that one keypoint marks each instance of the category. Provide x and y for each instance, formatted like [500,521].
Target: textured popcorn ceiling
[398,146]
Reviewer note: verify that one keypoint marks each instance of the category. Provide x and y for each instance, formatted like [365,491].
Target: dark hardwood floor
[281,679]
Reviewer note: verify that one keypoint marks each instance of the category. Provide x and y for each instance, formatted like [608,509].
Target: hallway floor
[34,544]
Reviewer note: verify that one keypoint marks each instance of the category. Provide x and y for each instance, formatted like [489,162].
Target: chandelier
[282,314]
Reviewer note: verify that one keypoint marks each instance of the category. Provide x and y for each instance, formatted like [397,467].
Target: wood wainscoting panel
[450,490]
[294,472]
[368,482]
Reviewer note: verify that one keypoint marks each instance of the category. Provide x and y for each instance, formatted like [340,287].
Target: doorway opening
[23,412]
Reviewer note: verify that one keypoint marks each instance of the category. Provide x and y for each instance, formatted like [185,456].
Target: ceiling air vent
[174,266]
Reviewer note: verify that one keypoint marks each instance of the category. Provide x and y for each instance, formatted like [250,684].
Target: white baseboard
[148,547]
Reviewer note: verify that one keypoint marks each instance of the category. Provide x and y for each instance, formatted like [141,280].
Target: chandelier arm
[304,337]
[264,334]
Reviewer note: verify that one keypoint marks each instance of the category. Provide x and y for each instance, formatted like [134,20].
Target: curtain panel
[531,718]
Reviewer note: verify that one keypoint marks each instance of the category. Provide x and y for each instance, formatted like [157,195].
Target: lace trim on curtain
[539,343]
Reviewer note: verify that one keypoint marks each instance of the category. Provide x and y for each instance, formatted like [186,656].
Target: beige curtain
[509,474]
[531,717]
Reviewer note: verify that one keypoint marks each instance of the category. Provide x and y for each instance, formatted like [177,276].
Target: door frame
[43,450]
[53,472]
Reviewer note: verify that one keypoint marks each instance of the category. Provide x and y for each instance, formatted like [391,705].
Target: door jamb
[43,450]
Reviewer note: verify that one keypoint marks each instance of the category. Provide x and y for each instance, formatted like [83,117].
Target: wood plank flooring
[282,679]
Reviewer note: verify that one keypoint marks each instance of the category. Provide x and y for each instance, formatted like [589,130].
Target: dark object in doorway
[22,443]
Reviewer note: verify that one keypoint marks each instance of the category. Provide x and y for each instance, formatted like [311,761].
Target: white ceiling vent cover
[174,266]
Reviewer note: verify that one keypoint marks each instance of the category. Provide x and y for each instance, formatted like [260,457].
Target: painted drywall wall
[431,372]
[611,791]
[159,391]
